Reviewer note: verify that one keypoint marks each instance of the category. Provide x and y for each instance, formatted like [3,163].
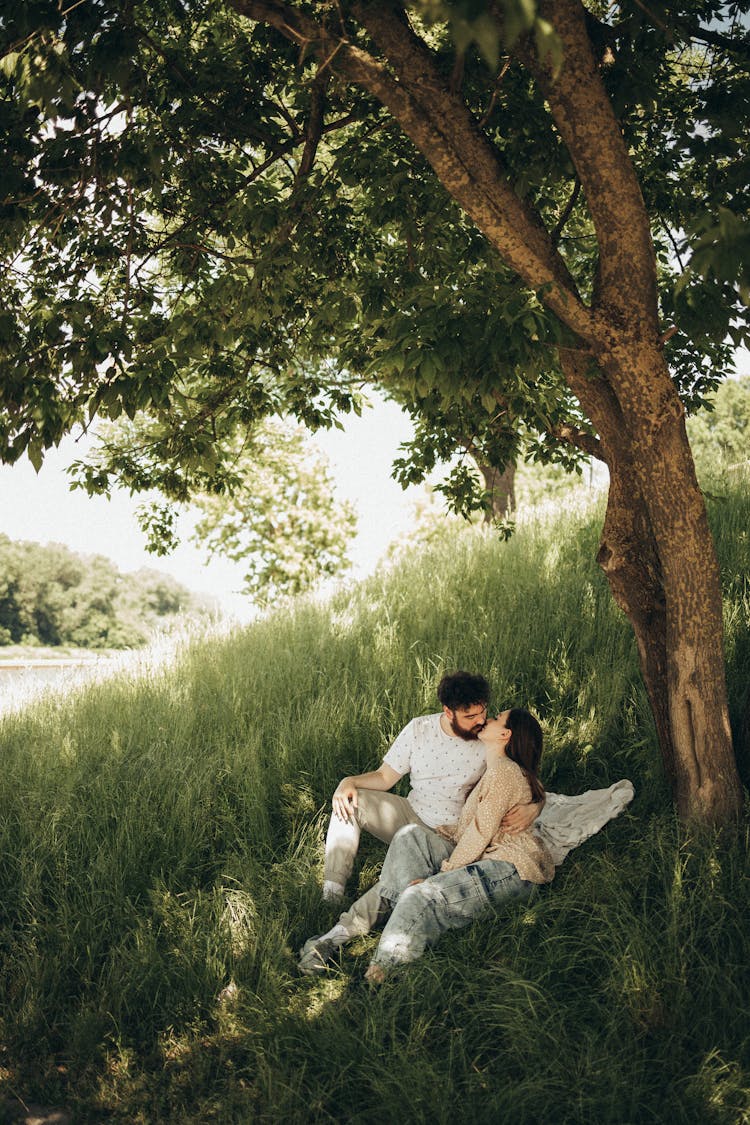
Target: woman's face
[495,730]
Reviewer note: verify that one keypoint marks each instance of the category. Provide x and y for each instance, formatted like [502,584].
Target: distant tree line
[51,596]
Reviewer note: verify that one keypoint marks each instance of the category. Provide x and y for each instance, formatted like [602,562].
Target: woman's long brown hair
[525,747]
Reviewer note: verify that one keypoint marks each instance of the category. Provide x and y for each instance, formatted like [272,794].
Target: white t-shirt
[442,767]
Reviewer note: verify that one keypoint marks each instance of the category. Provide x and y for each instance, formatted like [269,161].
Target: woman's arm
[500,791]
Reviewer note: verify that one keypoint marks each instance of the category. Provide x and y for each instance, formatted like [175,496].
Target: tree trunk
[704,772]
[627,552]
[659,559]
[627,555]
[500,486]
[644,420]
[682,667]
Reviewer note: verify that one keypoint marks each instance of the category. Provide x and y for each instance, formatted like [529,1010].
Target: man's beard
[467,735]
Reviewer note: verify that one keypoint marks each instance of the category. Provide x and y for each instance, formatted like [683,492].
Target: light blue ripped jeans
[444,901]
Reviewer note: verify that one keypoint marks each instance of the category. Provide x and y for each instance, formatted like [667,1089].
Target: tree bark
[627,551]
[705,779]
[499,484]
[657,554]
[629,559]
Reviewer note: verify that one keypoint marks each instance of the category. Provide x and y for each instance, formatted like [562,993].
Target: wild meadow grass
[160,863]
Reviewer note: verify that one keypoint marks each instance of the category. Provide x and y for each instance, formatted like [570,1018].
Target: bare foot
[375,974]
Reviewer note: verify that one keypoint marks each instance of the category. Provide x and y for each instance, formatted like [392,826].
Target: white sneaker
[319,950]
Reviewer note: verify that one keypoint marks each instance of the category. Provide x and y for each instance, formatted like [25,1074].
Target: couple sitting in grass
[464,840]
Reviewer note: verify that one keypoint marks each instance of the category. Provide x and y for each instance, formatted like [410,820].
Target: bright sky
[41,508]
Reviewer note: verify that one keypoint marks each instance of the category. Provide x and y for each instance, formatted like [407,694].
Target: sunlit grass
[160,862]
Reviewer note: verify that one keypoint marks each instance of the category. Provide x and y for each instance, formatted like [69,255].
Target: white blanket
[565,822]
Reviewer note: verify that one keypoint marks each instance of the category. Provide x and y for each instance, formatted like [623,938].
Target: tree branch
[675,247]
[567,212]
[443,129]
[291,23]
[585,119]
[581,439]
[466,162]
[314,129]
[739,47]
[495,91]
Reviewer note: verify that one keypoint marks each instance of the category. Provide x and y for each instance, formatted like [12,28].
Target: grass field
[161,839]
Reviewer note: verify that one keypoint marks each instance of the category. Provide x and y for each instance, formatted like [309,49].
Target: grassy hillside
[161,837]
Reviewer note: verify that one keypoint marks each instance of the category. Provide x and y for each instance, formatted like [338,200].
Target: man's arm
[521,817]
[345,798]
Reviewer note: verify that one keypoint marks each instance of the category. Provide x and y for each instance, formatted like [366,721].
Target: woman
[443,880]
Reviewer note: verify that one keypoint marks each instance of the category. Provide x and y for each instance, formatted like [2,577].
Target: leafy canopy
[202,225]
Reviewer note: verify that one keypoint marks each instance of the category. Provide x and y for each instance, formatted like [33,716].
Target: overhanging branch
[585,119]
[443,129]
[314,129]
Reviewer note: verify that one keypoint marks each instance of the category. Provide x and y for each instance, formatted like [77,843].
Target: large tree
[218,211]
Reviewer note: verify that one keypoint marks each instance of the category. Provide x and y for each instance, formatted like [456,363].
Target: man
[444,760]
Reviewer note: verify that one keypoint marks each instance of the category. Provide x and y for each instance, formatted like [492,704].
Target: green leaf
[8,63]
[35,453]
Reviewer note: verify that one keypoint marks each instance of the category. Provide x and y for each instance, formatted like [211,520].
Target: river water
[23,680]
[20,683]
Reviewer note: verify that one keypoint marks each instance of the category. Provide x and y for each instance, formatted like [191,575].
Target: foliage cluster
[284,523]
[198,225]
[51,596]
[273,508]
[160,861]
[720,433]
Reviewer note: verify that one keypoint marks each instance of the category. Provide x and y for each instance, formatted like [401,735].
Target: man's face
[466,722]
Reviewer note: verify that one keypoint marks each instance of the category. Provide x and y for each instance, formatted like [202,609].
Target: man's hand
[345,800]
[520,817]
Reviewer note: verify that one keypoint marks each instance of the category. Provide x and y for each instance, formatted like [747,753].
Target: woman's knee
[410,832]
[412,840]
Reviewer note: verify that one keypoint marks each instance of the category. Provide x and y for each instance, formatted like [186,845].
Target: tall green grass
[160,862]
